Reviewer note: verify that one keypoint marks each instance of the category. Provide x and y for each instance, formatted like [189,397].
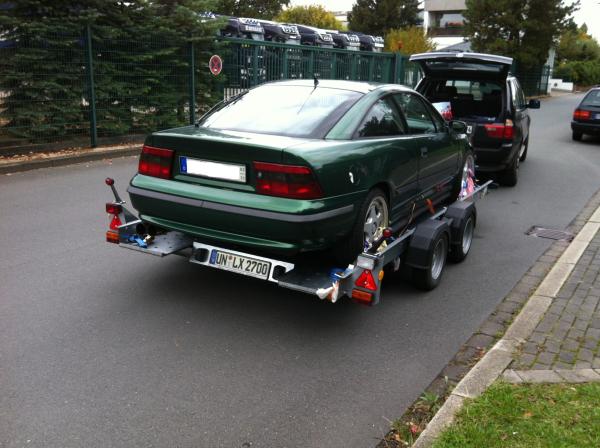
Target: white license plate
[213,170]
[596,116]
[241,265]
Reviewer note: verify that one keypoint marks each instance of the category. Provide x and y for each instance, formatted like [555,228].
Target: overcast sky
[588,13]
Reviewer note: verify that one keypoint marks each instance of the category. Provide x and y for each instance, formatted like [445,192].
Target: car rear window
[592,99]
[476,90]
[295,111]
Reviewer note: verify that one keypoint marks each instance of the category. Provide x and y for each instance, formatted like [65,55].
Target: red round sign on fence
[215,64]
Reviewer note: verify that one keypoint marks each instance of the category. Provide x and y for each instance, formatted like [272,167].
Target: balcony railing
[444,31]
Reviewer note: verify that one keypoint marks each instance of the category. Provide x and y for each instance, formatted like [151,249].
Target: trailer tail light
[504,130]
[115,223]
[113,209]
[112,236]
[366,281]
[581,114]
[363,297]
[287,181]
[156,162]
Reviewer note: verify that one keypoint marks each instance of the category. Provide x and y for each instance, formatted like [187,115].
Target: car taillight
[288,181]
[156,162]
[504,130]
[581,114]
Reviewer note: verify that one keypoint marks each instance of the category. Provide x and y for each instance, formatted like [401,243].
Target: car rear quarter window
[295,111]
[592,98]
[418,117]
[382,120]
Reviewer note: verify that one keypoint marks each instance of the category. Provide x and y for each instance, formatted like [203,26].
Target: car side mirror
[534,104]
[460,127]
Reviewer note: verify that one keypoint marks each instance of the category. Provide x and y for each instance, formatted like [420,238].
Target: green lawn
[531,416]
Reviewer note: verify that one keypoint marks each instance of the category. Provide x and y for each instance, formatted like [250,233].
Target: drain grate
[552,234]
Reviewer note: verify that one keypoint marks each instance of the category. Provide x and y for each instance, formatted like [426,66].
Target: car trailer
[424,246]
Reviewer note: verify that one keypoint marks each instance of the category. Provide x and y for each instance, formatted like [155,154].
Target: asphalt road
[103,347]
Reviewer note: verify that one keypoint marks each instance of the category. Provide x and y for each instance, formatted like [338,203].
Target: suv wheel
[577,136]
[510,175]
[523,150]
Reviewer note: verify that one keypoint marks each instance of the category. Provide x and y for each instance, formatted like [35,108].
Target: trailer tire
[427,253]
[464,219]
[429,277]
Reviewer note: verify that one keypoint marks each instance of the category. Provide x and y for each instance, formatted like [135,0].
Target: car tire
[347,250]
[577,136]
[510,176]
[523,151]
[468,160]
[429,277]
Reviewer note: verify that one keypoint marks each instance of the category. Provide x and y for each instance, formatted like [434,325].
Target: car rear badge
[351,176]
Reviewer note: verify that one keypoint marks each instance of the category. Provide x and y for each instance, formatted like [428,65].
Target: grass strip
[528,415]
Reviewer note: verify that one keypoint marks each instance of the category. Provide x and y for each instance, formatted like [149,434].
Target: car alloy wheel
[376,220]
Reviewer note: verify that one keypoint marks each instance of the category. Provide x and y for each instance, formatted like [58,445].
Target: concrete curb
[69,159]
[497,359]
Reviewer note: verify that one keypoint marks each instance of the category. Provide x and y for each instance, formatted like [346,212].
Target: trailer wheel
[460,250]
[464,218]
[429,277]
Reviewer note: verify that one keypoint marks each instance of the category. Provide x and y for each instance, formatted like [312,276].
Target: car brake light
[504,130]
[366,281]
[581,114]
[156,162]
[288,181]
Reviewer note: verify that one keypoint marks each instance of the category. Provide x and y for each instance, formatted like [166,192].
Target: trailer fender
[421,242]
[457,214]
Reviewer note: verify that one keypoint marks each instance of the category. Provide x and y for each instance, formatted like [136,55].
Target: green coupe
[299,166]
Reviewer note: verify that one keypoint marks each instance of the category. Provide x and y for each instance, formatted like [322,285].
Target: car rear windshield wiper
[220,105]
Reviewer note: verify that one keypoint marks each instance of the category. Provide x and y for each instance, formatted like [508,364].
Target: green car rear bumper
[244,219]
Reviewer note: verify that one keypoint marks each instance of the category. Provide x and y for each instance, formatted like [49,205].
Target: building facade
[444,21]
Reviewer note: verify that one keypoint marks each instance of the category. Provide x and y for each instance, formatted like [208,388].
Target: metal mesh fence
[66,90]
[42,90]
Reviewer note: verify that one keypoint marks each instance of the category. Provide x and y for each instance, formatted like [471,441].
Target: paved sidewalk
[565,345]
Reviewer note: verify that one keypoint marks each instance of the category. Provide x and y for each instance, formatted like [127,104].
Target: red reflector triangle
[366,280]
[115,222]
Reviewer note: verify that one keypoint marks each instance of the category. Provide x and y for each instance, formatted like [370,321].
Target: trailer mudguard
[457,214]
[420,246]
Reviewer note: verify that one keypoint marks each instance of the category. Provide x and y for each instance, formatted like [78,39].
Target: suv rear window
[475,89]
[592,99]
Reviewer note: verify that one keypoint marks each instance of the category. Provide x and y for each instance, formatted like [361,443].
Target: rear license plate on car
[213,170]
[241,265]
[596,116]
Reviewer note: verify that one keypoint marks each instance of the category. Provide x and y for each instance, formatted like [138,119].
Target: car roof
[356,86]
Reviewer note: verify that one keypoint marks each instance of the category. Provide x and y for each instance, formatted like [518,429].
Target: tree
[522,29]
[408,41]
[258,9]
[377,17]
[314,15]
[577,45]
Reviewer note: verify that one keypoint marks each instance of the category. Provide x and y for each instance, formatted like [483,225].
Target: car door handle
[424,152]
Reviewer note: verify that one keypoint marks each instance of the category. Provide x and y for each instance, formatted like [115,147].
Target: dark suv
[479,90]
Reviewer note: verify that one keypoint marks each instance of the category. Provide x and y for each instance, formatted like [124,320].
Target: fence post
[92,89]
[311,64]
[192,92]
[254,65]
[334,66]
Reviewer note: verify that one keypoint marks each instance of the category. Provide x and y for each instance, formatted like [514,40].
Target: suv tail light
[287,181]
[156,162]
[504,130]
[581,114]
